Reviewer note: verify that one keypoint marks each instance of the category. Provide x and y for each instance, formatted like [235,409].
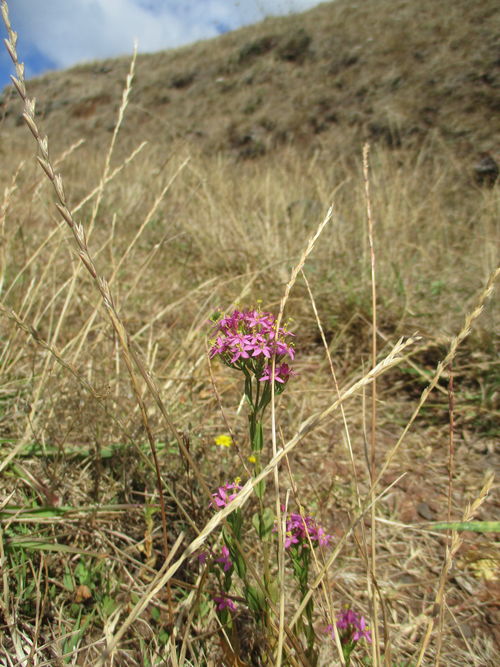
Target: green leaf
[163,637]
[255,598]
[36,544]
[68,580]
[16,513]
[235,520]
[78,631]
[258,439]
[263,523]
[238,561]
[82,574]
[274,591]
[260,489]
[109,605]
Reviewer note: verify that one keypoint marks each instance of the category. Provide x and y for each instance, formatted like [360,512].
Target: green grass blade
[474,526]
[35,544]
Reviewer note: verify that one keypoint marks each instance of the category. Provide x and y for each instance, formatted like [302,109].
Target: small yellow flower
[252,459]
[224,440]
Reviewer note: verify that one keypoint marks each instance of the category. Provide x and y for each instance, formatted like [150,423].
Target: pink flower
[353,627]
[290,538]
[282,349]
[225,559]
[298,529]
[230,322]
[281,374]
[362,630]
[260,345]
[256,319]
[223,602]
[238,345]
[222,497]
[219,347]
[245,338]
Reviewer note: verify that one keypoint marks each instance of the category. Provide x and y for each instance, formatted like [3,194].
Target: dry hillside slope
[386,70]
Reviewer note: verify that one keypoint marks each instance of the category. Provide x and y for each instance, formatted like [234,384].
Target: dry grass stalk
[372,561]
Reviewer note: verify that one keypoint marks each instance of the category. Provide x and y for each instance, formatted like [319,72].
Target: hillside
[390,71]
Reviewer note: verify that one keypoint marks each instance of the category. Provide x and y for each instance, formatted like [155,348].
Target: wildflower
[282,348]
[225,559]
[223,602]
[249,339]
[362,631]
[255,319]
[219,347]
[202,557]
[252,458]
[281,373]
[290,538]
[299,530]
[222,497]
[352,626]
[239,345]
[224,440]
[260,345]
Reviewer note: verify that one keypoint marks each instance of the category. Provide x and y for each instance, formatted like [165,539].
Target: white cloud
[70,31]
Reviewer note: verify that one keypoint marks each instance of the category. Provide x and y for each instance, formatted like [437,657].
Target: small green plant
[352,629]
[251,342]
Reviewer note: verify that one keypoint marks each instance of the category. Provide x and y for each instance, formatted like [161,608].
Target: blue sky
[55,34]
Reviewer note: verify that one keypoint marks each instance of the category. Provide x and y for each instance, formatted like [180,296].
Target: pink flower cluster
[249,339]
[298,529]
[225,559]
[224,496]
[223,602]
[352,626]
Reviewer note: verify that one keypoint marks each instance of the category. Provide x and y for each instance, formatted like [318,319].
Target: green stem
[248,387]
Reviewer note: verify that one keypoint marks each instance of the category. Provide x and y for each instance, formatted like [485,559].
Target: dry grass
[104,330]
